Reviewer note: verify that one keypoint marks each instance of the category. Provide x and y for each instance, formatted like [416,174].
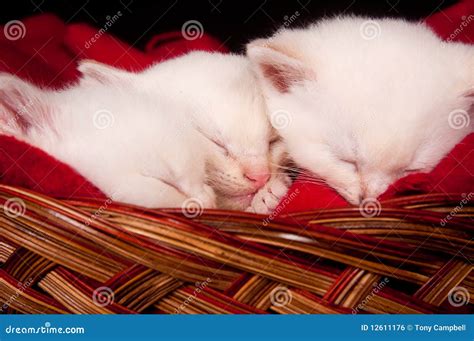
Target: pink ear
[276,66]
[282,78]
[103,73]
[21,105]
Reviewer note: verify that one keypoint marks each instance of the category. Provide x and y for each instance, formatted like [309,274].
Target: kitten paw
[268,197]
[208,197]
[352,194]
[205,197]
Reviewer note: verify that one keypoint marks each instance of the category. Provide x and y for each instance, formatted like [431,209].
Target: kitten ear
[275,65]
[93,71]
[22,105]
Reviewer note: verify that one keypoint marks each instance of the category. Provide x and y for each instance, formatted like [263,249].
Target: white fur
[159,150]
[226,105]
[132,159]
[364,113]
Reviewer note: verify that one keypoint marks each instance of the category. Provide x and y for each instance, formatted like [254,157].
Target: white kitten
[113,135]
[219,94]
[186,123]
[365,112]
[228,108]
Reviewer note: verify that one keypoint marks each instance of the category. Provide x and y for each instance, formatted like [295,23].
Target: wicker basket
[414,255]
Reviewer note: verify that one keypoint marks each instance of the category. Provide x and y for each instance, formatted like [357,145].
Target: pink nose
[259,179]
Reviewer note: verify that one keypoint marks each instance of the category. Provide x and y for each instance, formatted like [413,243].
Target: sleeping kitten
[365,110]
[220,96]
[115,136]
[174,130]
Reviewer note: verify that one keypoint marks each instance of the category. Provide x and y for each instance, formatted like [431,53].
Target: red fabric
[48,54]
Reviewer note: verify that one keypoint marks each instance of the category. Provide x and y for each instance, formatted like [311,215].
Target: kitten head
[218,95]
[226,106]
[363,113]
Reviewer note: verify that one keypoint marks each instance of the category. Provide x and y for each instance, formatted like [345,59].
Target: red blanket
[45,51]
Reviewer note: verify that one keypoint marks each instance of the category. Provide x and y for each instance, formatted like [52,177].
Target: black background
[233,22]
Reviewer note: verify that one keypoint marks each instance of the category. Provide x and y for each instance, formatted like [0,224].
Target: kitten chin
[367,101]
[238,203]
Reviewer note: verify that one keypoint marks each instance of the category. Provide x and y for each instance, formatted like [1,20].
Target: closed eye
[412,170]
[217,143]
[214,141]
[275,140]
[351,162]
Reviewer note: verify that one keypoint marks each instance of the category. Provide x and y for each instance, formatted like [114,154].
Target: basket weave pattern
[415,255]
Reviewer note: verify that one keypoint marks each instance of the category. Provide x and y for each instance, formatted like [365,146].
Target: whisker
[278,173]
[312,182]
[293,169]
